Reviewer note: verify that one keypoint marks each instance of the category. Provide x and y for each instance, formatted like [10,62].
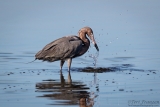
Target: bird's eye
[92,34]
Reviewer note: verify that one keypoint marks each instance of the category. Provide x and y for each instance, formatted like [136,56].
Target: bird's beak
[94,42]
[95,45]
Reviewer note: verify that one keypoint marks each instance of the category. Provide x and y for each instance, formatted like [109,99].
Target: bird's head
[89,32]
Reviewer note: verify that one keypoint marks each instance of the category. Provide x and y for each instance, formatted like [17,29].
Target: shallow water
[42,84]
[129,56]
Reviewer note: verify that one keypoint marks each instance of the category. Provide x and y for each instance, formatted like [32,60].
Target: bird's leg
[69,64]
[61,64]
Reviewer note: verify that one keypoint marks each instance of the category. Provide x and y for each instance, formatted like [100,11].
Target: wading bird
[67,47]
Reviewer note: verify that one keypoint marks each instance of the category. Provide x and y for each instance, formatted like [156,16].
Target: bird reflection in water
[66,92]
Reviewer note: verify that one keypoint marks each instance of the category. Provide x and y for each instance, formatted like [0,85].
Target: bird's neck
[83,37]
[85,46]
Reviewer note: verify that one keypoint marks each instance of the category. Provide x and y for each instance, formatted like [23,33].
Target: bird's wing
[60,49]
[52,44]
[75,46]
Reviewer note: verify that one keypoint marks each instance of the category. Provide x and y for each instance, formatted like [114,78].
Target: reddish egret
[67,47]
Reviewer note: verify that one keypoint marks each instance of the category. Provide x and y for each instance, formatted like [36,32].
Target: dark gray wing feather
[60,49]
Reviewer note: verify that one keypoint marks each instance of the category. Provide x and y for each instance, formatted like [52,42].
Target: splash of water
[94,57]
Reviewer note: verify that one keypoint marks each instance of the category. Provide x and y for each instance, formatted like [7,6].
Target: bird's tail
[31,61]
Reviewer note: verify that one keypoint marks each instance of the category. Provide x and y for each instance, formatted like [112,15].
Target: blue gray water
[127,33]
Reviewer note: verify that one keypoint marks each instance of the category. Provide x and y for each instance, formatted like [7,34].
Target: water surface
[127,34]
